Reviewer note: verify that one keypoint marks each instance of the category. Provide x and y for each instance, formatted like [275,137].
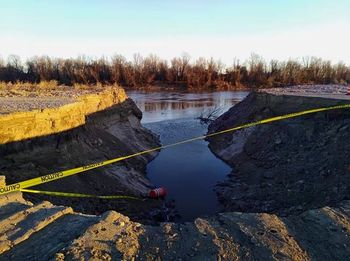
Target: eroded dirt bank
[43,231]
[97,127]
[288,166]
[47,232]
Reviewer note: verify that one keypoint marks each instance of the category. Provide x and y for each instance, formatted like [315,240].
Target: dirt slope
[288,166]
[100,126]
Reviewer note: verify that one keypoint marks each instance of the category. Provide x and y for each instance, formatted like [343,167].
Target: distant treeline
[180,71]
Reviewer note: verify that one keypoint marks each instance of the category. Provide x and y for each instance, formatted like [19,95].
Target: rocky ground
[15,100]
[330,89]
[16,104]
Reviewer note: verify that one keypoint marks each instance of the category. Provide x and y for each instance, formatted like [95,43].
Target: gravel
[329,90]
[17,104]
[24,100]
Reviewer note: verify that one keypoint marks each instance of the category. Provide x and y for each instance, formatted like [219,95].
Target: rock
[278,141]
[343,128]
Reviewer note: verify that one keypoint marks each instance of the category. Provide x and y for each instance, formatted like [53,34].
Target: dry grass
[3,86]
[45,85]
[27,86]
[79,86]
[48,85]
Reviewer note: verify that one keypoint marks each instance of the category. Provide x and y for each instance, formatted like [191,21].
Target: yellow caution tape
[66,173]
[77,195]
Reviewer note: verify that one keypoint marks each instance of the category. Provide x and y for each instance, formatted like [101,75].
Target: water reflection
[189,171]
[167,105]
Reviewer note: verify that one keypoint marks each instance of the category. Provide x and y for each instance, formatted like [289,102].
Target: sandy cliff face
[287,166]
[35,123]
[95,128]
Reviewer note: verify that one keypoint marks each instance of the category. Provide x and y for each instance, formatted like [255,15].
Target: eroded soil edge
[285,167]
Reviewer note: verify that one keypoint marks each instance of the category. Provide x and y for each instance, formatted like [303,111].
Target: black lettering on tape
[10,188]
[51,176]
[93,165]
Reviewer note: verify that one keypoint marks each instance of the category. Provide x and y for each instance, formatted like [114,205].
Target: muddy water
[189,171]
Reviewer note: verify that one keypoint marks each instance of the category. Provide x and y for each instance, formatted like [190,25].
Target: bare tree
[209,115]
[202,73]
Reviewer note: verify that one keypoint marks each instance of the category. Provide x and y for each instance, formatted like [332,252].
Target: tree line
[179,71]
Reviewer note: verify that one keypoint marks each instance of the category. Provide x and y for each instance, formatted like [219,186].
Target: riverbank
[289,166]
[97,126]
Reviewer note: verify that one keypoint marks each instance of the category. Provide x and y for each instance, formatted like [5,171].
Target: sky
[222,29]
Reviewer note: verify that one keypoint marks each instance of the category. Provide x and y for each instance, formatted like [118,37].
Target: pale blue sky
[222,29]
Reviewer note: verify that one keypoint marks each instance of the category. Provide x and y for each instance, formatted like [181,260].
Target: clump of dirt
[288,166]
